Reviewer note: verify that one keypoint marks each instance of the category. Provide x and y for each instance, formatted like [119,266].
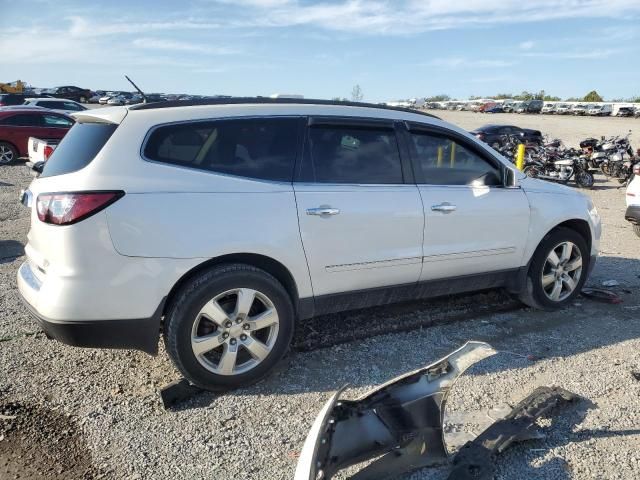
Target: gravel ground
[82,413]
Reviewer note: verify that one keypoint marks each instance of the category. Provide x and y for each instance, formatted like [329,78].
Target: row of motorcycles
[552,160]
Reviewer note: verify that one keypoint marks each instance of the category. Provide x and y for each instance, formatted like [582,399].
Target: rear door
[472,223]
[360,214]
[17,129]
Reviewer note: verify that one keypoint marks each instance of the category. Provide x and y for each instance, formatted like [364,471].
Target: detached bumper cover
[401,422]
[633,214]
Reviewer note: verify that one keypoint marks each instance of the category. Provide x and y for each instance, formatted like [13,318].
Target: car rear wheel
[229,327]
[8,153]
[557,271]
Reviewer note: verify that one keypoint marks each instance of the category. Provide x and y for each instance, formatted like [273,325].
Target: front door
[361,224]
[473,224]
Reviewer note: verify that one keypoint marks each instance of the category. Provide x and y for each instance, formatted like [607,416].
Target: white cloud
[575,55]
[410,16]
[461,62]
[180,46]
[528,45]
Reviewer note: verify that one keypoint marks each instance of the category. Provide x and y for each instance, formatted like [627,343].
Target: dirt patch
[40,444]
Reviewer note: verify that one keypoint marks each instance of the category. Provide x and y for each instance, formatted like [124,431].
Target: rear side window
[54,121]
[351,155]
[255,148]
[23,120]
[78,148]
[444,161]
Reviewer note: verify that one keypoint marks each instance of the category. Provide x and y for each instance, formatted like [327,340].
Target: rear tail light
[72,207]
[48,150]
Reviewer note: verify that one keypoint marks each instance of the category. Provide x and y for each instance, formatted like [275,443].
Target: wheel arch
[268,264]
[13,145]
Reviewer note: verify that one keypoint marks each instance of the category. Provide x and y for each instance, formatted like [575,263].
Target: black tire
[186,305]
[636,228]
[584,179]
[534,295]
[8,153]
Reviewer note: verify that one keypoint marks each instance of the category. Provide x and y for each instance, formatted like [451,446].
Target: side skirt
[512,279]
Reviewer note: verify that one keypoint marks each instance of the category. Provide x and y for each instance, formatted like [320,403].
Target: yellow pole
[520,157]
[453,154]
[439,157]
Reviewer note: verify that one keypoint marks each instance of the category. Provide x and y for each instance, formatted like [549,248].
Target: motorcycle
[561,169]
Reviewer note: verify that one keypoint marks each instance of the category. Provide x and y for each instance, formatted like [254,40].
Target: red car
[18,124]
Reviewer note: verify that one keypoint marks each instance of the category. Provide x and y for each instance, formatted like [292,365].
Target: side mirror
[509,178]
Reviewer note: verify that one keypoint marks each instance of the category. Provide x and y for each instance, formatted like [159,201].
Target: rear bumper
[633,214]
[131,334]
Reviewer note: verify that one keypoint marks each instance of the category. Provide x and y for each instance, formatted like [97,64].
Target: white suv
[223,223]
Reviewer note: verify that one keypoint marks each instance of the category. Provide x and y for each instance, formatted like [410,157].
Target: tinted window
[78,148]
[443,161]
[56,121]
[23,120]
[72,106]
[351,155]
[254,148]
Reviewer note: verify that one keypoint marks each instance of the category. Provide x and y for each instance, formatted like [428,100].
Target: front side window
[255,148]
[351,155]
[443,161]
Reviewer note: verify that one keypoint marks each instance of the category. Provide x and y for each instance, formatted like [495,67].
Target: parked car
[548,108]
[108,95]
[563,109]
[579,109]
[625,112]
[492,133]
[78,94]
[495,108]
[344,230]
[18,124]
[56,104]
[97,95]
[13,99]
[633,200]
[600,110]
[40,150]
[529,106]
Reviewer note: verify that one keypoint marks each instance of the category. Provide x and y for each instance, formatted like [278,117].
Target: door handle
[445,207]
[323,211]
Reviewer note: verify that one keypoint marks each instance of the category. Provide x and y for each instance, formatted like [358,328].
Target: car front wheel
[557,270]
[229,327]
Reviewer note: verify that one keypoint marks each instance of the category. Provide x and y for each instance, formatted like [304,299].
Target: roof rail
[268,100]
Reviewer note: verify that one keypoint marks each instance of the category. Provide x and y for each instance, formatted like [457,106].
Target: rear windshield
[78,148]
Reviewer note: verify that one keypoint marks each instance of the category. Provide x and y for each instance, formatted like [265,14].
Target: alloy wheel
[6,154]
[562,271]
[234,331]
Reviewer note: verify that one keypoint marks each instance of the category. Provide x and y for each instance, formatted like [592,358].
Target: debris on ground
[475,460]
[610,283]
[178,391]
[400,426]
[601,295]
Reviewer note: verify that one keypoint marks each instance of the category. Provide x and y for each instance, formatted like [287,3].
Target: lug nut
[246,326]
[232,341]
[227,324]
[243,337]
[239,319]
[225,335]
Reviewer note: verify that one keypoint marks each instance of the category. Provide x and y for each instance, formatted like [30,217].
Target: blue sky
[392,49]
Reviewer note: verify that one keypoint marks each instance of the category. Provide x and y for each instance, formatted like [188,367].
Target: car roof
[30,109]
[269,101]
